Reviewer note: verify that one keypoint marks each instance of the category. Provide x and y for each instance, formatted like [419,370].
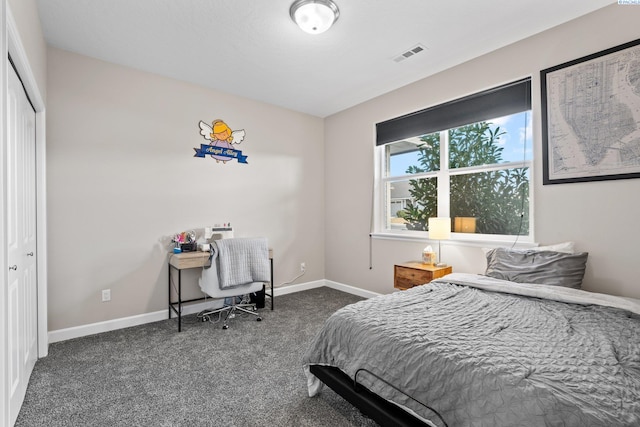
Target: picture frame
[591,117]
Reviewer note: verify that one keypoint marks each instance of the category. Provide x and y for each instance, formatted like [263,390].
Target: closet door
[22,312]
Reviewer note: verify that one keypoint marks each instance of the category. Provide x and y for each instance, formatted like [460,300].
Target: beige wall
[122,178]
[562,212]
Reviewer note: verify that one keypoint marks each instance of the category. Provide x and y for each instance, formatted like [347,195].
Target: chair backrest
[238,266]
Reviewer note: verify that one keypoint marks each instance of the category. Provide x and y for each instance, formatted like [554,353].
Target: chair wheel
[225,326]
[205,319]
[259,319]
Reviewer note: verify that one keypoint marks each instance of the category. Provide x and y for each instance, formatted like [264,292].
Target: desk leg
[271,283]
[179,300]
[171,305]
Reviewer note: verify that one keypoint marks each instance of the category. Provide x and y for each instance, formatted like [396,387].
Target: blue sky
[513,142]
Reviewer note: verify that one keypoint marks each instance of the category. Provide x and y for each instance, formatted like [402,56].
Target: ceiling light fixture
[314,16]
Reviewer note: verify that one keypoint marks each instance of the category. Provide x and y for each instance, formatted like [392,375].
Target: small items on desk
[184,242]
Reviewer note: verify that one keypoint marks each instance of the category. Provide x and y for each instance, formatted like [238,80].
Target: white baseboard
[329,284]
[126,322]
[298,287]
[350,289]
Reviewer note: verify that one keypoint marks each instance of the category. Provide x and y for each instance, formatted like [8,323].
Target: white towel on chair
[241,261]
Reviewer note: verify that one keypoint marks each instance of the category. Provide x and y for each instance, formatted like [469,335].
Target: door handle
[13,267]
[30,254]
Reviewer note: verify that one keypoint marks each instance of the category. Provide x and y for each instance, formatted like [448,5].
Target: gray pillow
[542,267]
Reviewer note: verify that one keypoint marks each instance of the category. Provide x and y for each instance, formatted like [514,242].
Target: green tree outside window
[498,199]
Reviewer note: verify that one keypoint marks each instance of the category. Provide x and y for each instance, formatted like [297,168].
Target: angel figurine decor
[221,139]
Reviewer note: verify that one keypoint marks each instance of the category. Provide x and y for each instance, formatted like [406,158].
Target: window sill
[460,239]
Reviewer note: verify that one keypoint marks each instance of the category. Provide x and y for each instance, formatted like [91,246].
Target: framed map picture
[591,117]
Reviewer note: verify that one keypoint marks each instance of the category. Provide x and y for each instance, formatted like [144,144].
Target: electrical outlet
[106,295]
[303,266]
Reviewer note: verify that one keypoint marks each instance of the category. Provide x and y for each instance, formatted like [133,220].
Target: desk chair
[238,267]
[229,310]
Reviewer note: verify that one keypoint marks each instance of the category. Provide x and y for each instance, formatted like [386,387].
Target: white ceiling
[251,48]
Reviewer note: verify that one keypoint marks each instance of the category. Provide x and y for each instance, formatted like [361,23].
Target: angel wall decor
[222,138]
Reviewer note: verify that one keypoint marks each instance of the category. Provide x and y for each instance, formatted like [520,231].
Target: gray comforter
[490,358]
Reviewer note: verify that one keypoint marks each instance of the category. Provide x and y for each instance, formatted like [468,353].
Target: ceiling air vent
[409,53]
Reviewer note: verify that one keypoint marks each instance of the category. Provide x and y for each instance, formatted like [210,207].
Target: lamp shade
[314,16]
[440,228]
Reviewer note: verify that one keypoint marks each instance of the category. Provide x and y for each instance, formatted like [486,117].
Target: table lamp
[440,229]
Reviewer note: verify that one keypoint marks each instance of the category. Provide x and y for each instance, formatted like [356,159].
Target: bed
[487,350]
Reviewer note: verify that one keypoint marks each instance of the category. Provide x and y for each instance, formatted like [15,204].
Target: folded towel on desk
[241,261]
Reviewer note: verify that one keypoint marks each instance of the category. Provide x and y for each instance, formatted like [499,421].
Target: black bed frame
[375,407]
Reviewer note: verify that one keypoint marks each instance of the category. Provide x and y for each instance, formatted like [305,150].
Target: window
[469,160]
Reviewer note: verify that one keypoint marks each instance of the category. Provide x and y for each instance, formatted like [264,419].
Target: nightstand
[414,273]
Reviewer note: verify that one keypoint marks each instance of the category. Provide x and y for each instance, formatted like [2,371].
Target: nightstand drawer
[415,273]
[409,277]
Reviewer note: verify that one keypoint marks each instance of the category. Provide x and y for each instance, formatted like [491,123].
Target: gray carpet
[151,375]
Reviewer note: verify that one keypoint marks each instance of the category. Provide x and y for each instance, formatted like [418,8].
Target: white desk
[186,260]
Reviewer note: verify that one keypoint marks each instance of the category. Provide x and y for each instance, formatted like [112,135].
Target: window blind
[500,101]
